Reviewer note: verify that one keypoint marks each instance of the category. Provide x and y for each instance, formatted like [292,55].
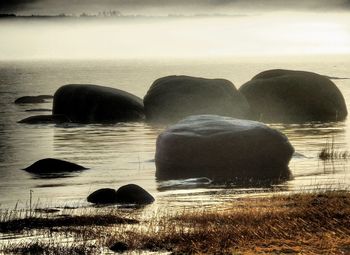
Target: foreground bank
[308,223]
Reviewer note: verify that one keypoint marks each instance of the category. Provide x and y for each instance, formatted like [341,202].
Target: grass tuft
[330,153]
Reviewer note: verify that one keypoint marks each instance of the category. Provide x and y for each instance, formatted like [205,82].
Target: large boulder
[294,96]
[222,149]
[52,165]
[83,103]
[172,98]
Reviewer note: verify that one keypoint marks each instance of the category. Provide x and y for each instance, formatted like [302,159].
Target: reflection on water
[124,153]
[192,183]
[53,175]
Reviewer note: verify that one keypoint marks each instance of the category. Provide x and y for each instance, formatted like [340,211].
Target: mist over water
[264,34]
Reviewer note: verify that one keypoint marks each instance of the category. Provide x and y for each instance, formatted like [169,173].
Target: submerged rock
[294,96]
[103,196]
[46,119]
[33,99]
[172,98]
[51,165]
[30,100]
[85,103]
[222,149]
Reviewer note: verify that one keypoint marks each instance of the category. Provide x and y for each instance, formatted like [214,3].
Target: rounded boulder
[86,103]
[294,96]
[222,149]
[172,98]
[103,196]
[134,194]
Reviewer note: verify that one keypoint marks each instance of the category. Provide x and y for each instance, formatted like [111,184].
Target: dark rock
[30,100]
[97,104]
[51,165]
[46,119]
[103,196]
[128,194]
[222,149]
[119,247]
[172,98]
[294,96]
[133,194]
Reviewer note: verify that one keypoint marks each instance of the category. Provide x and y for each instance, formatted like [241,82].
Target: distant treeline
[110,14]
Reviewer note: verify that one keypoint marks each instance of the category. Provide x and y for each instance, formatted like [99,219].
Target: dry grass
[54,248]
[305,223]
[300,223]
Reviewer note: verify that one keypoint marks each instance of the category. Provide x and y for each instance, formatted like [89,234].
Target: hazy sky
[167,6]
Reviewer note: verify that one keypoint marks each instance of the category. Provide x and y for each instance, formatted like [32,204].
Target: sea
[123,153]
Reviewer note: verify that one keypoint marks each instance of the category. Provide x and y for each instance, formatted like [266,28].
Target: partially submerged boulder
[222,149]
[172,98]
[127,194]
[51,165]
[85,103]
[294,96]
[134,194]
[46,119]
[103,196]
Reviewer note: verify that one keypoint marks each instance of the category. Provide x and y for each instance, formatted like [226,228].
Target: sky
[159,7]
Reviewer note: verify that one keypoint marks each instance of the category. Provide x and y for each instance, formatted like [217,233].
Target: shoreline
[305,223]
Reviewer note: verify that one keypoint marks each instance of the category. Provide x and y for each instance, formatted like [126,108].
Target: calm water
[123,153]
